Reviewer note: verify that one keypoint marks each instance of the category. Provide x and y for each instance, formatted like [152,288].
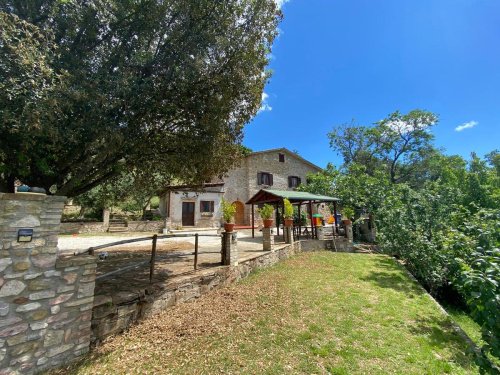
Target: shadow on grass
[387,274]
[439,332]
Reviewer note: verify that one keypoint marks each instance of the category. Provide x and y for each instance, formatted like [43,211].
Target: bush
[266,212]
[479,282]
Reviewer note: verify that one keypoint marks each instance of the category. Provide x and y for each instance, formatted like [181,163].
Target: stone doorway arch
[239,216]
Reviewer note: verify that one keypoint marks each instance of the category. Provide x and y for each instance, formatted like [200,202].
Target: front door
[188,214]
[239,216]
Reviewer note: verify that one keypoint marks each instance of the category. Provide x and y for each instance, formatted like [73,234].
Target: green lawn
[316,313]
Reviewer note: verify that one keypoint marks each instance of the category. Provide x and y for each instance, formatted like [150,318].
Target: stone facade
[238,186]
[45,300]
[241,183]
[171,206]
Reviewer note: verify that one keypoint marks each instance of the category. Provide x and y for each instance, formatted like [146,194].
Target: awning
[274,196]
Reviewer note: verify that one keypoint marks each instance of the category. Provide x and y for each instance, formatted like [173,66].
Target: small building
[279,169]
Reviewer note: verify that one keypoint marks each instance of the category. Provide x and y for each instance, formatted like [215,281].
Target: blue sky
[338,60]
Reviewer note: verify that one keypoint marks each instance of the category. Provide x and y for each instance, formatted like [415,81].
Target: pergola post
[253,222]
[311,218]
[277,218]
[300,221]
[335,217]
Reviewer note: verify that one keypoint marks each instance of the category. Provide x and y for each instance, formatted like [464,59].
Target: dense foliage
[438,214]
[91,89]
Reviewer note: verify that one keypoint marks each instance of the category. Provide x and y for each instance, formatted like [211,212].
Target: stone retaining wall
[45,300]
[99,227]
[114,314]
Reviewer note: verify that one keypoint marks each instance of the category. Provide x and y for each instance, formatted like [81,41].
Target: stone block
[65,288]
[28,307]
[52,273]
[38,325]
[79,302]
[12,288]
[55,309]
[42,295]
[31,276]
[44,260]
[37,285]
[10,321]
[4,308]
[59,350]
[73,261]
[12,330]
[61,298]
[39,314]
[86,290]
[53,337]
[70,277]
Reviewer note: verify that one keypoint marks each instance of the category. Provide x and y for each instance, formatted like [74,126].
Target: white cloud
[280,3]
[264,104]
[467,125]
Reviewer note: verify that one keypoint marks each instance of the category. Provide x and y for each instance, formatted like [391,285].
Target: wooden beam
[253,222]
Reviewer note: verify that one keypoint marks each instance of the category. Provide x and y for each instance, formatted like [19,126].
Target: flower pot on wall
[268,223]
[288,222]
[228,227]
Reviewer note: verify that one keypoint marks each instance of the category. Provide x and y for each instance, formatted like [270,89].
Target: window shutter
[289,181]
[270,179]
[300,180]
[259,178]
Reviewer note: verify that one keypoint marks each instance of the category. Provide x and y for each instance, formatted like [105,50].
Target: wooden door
[188,214]
[239,216]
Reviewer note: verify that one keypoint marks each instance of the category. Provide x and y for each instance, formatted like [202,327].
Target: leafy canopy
[92,89]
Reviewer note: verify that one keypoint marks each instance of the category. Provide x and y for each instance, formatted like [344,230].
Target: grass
[317,313]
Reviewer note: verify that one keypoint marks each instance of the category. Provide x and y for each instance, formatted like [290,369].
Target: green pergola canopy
[270,196]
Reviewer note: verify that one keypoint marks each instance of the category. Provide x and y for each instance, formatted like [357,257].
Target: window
[264,178]
[282,158]
[293,181]
[206,206]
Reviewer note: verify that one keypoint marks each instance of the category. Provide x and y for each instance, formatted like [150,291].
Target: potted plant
[228,211]
[288,213]
[347,213]
[266,213]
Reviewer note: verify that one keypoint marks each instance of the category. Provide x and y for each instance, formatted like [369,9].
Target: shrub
[266,212]
[228,210]
[288,214]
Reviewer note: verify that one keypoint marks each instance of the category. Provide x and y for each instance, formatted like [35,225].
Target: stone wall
[45,300]
[99,227]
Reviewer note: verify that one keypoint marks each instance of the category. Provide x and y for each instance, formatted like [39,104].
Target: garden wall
[45,300]
[99,227]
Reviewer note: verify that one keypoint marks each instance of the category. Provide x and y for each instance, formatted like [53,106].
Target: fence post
[153,258]
[196,251]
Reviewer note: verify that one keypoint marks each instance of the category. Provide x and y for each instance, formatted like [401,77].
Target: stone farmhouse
[279,169]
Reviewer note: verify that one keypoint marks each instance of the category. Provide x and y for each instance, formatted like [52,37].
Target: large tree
[400,144]
[90,89]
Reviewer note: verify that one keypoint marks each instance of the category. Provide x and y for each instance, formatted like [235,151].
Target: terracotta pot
[228,227]
[347,222]
[288,222]
[268,223]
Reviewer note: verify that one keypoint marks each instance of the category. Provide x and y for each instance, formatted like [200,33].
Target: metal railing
[152,260]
